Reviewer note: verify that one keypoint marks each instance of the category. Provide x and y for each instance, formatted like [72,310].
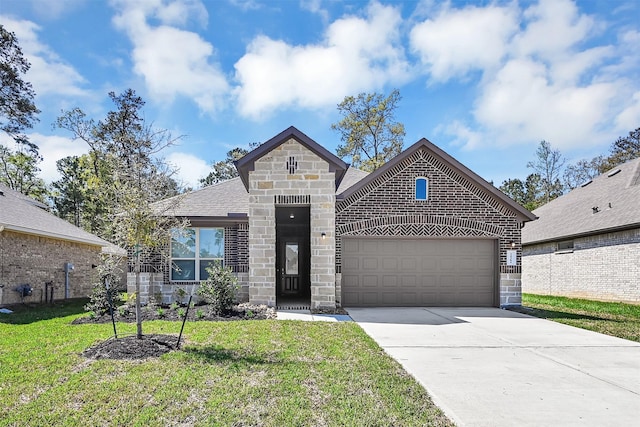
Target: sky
[486,81]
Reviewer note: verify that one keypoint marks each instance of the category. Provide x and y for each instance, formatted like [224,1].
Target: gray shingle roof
[22,214]
[227,197]
[616,195]
[217,200]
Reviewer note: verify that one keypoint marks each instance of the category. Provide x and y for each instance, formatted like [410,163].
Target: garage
[419,272]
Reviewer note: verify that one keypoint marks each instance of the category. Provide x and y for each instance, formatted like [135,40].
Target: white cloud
[190,168]
[49,74]
[172,61]
[542,75]
[357,54]
[315,6]
[52,148]
[457,41]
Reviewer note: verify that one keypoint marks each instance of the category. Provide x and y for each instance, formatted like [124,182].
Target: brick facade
[600,267]
[156,281]
[456,207]
[34,260]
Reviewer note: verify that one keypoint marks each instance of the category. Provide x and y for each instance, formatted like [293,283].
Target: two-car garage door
[418,272]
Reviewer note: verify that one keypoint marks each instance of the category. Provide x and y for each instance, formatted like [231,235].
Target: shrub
[108,271]
[219,289]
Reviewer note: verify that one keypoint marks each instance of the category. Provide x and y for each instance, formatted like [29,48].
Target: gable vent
[292,165]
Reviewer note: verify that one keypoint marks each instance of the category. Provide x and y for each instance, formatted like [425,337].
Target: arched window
[422,188]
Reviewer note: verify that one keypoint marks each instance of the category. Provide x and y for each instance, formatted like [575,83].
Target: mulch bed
[155,345]
[132,348]
[199,312]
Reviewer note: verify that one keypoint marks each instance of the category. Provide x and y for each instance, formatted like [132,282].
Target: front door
[293,253]
[289,268]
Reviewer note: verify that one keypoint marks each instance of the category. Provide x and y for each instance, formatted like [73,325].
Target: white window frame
[197,259]
[415,188]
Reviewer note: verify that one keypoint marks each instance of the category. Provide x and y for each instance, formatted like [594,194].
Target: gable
[451,186]
[247,163]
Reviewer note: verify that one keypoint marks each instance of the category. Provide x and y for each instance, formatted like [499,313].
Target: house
[586,243]
[35,247]
[299,226]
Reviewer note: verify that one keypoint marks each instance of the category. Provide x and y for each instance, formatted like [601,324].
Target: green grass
[611,318]
[267,373]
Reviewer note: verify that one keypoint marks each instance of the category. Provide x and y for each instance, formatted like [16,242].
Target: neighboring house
[35,245]
[587,243]
[298,226]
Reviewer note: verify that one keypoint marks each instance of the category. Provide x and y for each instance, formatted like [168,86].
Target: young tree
[130,177]
[225,169]
[548,166]
[17,109]
[368,129]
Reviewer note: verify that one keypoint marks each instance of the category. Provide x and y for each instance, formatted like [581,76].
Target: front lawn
[242,373]
[611,318]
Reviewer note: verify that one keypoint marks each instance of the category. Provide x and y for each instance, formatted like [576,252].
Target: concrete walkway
[492,367]
[286,314]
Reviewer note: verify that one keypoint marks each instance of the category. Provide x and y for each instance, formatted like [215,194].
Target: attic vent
[614,172]
[292,165]
[584,184]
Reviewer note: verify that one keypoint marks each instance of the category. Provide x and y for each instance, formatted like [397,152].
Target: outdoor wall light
[291,215]
[513,244]
[324,236]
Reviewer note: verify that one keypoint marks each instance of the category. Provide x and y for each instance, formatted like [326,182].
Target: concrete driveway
[492,367]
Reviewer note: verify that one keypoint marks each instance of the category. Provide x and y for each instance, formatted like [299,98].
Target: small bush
[160,312]
[174,306]
[219,289]
[199,313]
[107,271]
[181,312]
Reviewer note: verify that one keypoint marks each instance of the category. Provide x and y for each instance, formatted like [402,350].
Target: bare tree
[548,165]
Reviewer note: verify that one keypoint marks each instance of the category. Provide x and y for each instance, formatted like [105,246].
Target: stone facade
[270,182]
[600,267]
[456,207]
[34,260]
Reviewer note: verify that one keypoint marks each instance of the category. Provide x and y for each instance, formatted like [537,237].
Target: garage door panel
[410,272]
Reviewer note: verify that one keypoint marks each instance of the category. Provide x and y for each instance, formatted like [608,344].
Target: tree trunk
[138,307]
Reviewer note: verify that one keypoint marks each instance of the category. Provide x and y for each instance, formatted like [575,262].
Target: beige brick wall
[270,178]
[34,260]
[603,267]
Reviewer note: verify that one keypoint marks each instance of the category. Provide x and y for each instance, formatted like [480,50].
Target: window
[565,247]
[422,188]
[194,250]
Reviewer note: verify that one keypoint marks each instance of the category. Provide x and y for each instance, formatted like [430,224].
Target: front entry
[293,256]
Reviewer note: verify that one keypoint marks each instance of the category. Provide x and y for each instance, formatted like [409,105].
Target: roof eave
[52,235]
[583,234]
